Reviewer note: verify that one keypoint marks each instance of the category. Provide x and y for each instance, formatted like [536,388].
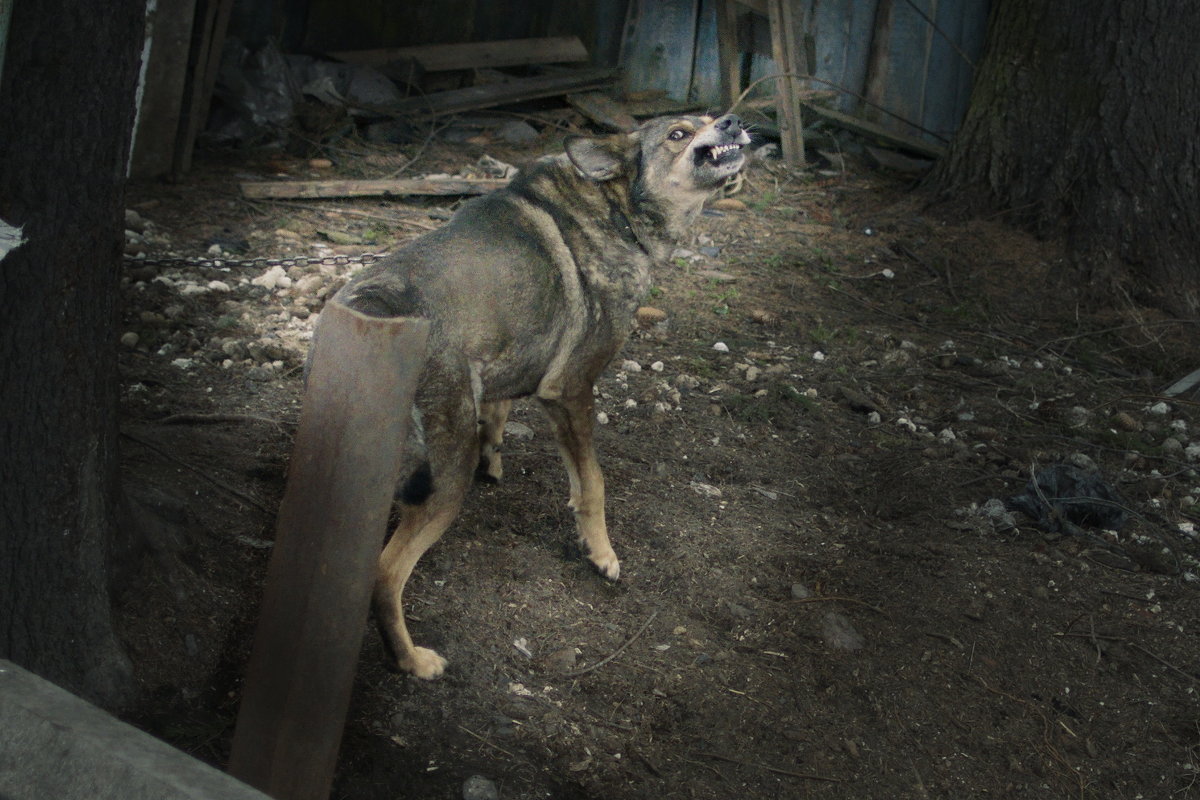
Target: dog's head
[675,162]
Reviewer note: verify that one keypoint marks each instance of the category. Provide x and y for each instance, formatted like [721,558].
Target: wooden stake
[331,525]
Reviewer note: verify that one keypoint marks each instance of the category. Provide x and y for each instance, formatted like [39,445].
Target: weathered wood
[603,110]
[876,83]
[476,55]
[370,188]
[456,101]
[169,30]
[787,50]
[866,128]
[659,46]
[343,472]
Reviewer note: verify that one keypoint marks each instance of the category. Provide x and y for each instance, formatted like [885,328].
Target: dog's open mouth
[717,154]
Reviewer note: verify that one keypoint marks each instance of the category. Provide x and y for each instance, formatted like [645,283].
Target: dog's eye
[677,135]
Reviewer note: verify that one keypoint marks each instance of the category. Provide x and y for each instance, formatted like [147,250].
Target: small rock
[629,365]
[183,363]
[705,489]
[1192,452]
[1126,422]
[517,132]
[800,591]
[752,374]
[728,204]
[761,316]
[738,610]
[274,277]
[1160,409]
[218,286]
[657,366]
[601,418]
[1172,447]
[839,634]
[648,316]
[518,430]
[721,347]
[478,787]
[308,285]
[214,251]
[134,221]
[560,660]
[129,339]
[818,356]
[320,163]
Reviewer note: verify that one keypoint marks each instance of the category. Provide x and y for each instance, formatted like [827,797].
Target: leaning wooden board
[369,188]
[476,55]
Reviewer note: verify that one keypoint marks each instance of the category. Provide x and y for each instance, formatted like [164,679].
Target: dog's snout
[730,123]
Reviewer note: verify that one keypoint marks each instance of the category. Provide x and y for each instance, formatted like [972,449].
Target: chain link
[228,263]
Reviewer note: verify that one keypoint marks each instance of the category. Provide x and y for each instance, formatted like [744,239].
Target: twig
[245,498]
[810,776]
[490,744]
[616,652]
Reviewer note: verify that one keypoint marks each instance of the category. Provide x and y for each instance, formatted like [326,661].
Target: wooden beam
[866,128]
[476,55]
[370,188]
[788,51]
[344,467]
[456,101]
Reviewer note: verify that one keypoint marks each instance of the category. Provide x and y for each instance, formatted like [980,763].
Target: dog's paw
[424,663]
[606,564]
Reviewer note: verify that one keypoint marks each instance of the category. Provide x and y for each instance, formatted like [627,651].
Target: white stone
[721,347]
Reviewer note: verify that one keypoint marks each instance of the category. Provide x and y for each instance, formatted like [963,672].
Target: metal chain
[226,263]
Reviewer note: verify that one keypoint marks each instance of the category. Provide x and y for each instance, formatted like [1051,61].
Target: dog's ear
[600,159]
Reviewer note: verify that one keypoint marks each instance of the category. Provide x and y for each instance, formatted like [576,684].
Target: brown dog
[531,291]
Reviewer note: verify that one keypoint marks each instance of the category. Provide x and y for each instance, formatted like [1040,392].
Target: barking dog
[530,291]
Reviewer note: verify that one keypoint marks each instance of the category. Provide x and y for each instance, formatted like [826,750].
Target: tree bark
[1083,121]
[66,91]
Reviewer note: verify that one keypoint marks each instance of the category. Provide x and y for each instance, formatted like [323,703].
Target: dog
[531,291]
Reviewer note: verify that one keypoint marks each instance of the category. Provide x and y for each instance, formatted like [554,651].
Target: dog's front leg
[572,419]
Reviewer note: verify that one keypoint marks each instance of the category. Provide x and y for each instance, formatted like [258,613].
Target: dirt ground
[816,598]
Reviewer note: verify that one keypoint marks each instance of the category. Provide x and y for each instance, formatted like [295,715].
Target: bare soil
[812,601]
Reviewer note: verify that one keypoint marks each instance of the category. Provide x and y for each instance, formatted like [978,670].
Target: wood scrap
[603,110]
[519,90]
[476,55]
[865,128]
[370,188]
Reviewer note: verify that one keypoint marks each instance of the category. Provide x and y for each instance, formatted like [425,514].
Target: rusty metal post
[331,526]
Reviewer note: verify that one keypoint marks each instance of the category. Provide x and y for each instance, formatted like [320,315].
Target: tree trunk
[1083,121]
[66,94]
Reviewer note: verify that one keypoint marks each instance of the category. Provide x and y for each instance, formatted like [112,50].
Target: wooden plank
[476,55]
[170,32]
[341,478]
[603,110]
[865,128]
[208,37]
[787,50]
[456,101]
[729,54]
[659,44]
[369,188]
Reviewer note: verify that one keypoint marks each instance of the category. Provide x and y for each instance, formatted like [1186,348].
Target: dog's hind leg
[492,417]
[572,419]
[424,518]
